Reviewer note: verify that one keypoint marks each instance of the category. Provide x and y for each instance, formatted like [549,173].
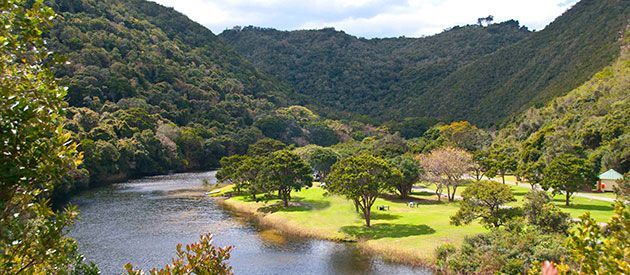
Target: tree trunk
[503,177]
[285,196]
[567,196]
[404,193]
[356,206]
[366,215]
[454,191]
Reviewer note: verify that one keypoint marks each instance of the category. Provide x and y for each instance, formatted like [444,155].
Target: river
[141,221]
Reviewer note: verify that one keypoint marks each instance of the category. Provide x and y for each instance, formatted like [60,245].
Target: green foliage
[596,250]
[197,258]
[501,251]
[541,212]
[464,135]
[284,171]
[483,74]
[36,152]
[344,76]
[265,147]
[411,172]
[486,200]
[322,159]
[591,121]
[362,178]
[568,174]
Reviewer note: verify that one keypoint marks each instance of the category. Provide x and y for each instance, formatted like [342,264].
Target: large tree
[485,199]
[284,171]
[568,174]
[362,178]
[410,174]
[503,158]
[322,159]
[36,151]
[446,167]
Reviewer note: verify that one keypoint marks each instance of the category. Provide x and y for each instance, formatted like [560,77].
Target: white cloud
[368,18]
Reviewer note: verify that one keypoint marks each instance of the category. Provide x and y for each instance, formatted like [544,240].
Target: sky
[367,18]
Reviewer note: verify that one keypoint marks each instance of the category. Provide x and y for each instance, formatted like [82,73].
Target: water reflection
[143,220]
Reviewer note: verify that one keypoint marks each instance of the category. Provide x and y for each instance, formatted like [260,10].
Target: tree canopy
[362,178]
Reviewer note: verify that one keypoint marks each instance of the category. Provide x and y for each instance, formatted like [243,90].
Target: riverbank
[400,234]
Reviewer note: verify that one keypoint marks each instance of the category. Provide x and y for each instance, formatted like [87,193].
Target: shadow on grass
[386,230]
[589,207]
[295,206]
[383,216]
[412,198]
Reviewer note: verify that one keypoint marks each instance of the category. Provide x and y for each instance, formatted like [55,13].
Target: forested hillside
[150,92]
[592,121]
[349,76]
[481,74]
[547,64]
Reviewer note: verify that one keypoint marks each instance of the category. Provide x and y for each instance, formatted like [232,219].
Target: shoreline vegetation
[402,234]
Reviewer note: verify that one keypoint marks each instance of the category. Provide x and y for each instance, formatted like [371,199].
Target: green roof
[611,175]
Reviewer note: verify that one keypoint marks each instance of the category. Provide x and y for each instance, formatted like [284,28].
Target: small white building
[608,180]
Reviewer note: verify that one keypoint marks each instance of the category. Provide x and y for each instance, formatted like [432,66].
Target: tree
[567,174]
[197,258]
[322,160]
[230,171]
[410,174]
[446,166]
[502,157]
[482,165]
[485,199]
[265,146]
[362,178]
[284,171]
[464,135]
[37,152]
[488,20]
[541,212]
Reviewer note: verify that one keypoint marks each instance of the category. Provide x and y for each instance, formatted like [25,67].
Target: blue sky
[367,18]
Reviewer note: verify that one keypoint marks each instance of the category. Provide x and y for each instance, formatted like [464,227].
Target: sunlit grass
[600,210]
[404,233]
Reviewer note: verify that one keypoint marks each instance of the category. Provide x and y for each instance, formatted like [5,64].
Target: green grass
[402,230]
[600,210]
[397,233]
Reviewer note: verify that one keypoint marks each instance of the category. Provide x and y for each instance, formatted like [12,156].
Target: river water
[141,221]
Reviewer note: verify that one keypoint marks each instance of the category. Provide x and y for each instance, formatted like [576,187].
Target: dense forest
[482,74]
[340,72]
[592,121]
[152,92]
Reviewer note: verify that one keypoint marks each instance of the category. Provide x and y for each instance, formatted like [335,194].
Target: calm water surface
[143,220]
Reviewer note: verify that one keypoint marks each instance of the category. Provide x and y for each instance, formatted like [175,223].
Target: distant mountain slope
[547,64]
[480,74]
[592,120]
[341,73]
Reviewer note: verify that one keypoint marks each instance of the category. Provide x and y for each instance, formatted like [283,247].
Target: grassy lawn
[600,210]
[400,232]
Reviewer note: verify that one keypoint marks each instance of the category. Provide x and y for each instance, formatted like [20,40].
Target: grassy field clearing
[401,233]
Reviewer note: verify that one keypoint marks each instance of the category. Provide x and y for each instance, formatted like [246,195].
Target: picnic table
[412,204]
[383,207]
